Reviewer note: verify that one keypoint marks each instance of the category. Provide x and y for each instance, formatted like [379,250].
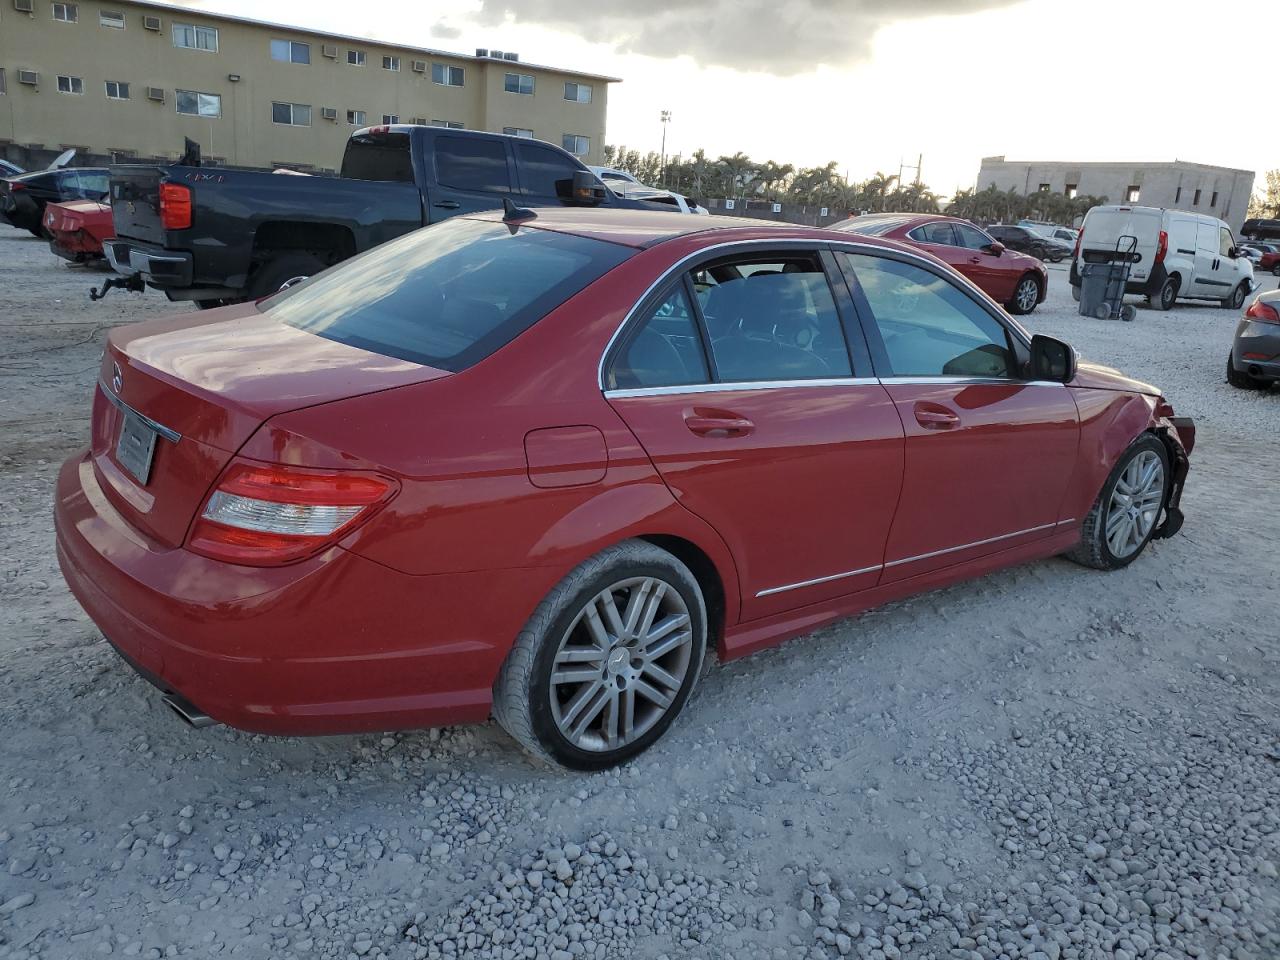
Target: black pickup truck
[218,235]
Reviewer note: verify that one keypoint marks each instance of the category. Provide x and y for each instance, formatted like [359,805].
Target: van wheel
[274,273]
[1025,295]
[1236,300]
[1167,295]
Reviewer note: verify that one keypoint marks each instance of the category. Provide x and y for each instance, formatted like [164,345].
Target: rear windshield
[448,295]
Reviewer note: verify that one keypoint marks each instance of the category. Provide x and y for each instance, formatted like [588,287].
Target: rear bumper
[158,266]
[1256,349]
[76,246]
[334,644]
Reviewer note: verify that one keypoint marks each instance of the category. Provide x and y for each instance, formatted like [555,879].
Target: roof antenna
[513,214]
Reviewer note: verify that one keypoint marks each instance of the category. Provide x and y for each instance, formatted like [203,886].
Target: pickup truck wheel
[272,274]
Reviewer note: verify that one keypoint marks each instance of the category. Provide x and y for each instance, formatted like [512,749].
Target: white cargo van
[1188,256]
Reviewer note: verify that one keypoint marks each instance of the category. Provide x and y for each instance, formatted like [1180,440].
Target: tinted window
[971,237]
[378,156]
[448,295]
[472,163]
[934,233]
[930,328]
[544,172]
[772,321]
[664,351]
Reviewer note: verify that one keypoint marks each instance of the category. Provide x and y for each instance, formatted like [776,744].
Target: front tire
[1236,300]
[1025,295]
[1123,519]
[607,661]
[1167,295]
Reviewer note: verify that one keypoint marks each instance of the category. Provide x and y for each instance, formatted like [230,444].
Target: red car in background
[532,466]
[1270,263]
[77,229]
[1018,281]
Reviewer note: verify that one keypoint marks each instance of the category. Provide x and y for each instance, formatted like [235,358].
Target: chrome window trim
[726,387]
[812,243]
[895,563]
[173,436]
[993,381]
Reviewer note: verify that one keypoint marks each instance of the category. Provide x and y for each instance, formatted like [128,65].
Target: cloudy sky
[874,83]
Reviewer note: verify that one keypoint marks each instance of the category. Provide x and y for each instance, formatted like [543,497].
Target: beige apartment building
[131,78]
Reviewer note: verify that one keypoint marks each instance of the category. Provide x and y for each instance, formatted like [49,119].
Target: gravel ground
[1045,763]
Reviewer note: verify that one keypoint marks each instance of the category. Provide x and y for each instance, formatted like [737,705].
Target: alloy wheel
[1028,293]
[621,664]
[1136,500]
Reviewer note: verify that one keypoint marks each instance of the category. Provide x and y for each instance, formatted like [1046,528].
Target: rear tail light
[1075,253]
[263,514]
[15,187]
[1263,312]
[175,206]
[1162,247]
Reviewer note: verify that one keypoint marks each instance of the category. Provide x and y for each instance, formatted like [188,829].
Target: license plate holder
[136,446]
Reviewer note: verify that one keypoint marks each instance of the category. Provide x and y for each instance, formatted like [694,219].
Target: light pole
[666,118]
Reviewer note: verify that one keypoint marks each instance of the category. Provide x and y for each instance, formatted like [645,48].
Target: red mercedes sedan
[533,467]
[1017,281]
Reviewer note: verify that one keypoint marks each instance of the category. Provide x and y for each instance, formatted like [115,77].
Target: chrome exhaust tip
[188,711]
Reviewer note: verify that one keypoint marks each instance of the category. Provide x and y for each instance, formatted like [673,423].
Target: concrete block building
[1222,192]
[131,78]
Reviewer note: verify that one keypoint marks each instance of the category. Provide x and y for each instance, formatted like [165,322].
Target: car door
[546,175]
[1210,280]
[938,237]
[994,273]
[472,173]
[742,390]
[989,453]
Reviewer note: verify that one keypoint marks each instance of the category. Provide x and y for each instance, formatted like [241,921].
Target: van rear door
[1105,226]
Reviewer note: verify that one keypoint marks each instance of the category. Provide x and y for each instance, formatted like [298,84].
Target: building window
[578,146]
[578,92]
[519,83]
[1195,199]
[1072,191]
[451,124]
[1132,194]
[446,75]
[70,85]
[1213,199]
[518,132]
[111,18]
[355,58]
[355,118]
[291,114]
[390,118]
[391,63]
[117,90]
[3,88]
[66,12]
[192,103]
[191,37]
[1044,188]
[290,51]
[1177,195]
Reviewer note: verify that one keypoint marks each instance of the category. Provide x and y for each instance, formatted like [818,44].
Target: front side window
[971,238]
[390,63]
[664,350]
[117,90]
[111,18]
[518,132]
[66,12]
[448,296]
[519,83]
[472,164]
[195,104]
[355,58]
[579,146]
[355,118]
[578,92]
[444,74]
[192,37]
[70,84]
[928,327]
[1226,243]
[291,114]
[290,51]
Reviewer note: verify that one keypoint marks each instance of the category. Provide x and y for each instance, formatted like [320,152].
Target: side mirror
[1052,360]
[995,248]
[588,191]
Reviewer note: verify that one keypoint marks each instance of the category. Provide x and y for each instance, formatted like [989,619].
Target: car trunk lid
[194,389]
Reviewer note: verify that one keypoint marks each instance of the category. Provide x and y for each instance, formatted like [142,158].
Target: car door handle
[705,426]
[447,204]
[975,259]
[933,416]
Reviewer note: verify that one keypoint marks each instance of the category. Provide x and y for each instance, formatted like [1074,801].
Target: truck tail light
[1263,312]
[1162,247]
[265,514]
[175,206]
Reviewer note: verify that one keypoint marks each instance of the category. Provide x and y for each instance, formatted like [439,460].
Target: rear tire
[281,268]
[1167,295]
[1236,300]
[1241,380]
[570,720]
[1109,540]
[1025,295]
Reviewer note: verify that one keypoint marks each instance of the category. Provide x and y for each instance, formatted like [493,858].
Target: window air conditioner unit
[481,52]
[24,6]
[511,56]
[496,54]
[329,113]
[330,51]
[29,77]
[155,93]
[419,121]
[151,23]
[419,66]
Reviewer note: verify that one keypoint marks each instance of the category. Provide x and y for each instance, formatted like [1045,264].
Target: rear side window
[664,350]
[472,163]
[934,233]
[449,295]
[378,156]
[544,172]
